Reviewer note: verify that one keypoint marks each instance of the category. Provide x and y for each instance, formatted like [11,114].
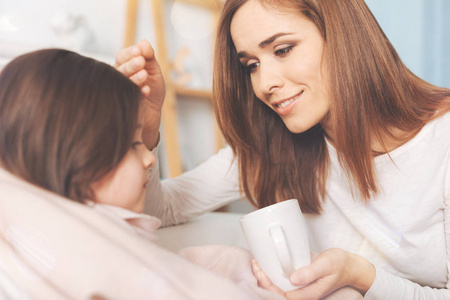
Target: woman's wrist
[362,273]
[151,134]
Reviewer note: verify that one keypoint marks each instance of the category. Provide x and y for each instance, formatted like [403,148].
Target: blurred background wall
[419,29]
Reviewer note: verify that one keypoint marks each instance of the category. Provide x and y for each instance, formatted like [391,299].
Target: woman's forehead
[254,23]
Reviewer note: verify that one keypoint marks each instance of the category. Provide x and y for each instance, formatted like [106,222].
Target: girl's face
[125,186]
[282,52]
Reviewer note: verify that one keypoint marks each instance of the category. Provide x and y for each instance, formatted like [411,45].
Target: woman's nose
[269,79]
[148,158]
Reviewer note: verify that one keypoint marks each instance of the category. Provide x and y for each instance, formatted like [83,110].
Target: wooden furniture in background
[169,111]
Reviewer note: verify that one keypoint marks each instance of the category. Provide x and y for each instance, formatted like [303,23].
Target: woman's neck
[390,142]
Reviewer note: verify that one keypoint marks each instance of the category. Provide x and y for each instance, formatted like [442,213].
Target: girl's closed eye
[136,143]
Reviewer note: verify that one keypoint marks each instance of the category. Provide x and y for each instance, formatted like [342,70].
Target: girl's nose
[148,158]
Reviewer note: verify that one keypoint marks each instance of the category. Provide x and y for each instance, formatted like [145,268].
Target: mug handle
[282,250]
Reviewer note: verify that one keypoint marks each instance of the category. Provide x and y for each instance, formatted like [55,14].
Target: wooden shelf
[187,92]
[169,110]
[208,4]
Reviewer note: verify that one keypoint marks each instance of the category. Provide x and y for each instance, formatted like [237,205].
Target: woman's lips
[284,108]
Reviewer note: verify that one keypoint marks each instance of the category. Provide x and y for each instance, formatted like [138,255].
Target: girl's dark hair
[65,120]
[372,92]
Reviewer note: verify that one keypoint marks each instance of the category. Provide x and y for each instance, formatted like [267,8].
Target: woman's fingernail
[295,279]
[140,75]
[254,266]
[257,271]
[135,50]
[136,62]
[259,275]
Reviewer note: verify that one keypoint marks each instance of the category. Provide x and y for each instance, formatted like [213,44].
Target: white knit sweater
[404,230]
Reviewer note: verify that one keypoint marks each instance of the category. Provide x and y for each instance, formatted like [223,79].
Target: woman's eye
[252,67]
[283,51]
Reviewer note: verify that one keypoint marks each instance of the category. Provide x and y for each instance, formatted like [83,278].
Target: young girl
[71,125]
[73,178]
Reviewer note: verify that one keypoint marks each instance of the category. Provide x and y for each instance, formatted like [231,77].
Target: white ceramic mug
[277,237]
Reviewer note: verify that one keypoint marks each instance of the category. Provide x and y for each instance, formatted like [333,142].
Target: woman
[317,105]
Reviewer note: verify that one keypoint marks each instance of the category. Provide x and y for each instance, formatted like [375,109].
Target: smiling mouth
[287,102]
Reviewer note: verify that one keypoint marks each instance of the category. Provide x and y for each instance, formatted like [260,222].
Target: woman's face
[282,52]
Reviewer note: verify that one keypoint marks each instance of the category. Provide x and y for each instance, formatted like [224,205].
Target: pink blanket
[52,248]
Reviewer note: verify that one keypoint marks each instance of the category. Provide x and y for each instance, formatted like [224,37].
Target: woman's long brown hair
[65,120]
[372,92]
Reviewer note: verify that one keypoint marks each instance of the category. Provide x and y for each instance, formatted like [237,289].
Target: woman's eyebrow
[264,43]
[242,54]
[271,39]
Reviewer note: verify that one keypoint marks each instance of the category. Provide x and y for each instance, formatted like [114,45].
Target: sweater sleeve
[388,286]
[207,187]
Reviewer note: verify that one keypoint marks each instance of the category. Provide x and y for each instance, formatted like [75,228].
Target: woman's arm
[388,286]
[207,187]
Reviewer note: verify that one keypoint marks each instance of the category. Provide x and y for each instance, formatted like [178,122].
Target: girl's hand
[331,270]
[138,62]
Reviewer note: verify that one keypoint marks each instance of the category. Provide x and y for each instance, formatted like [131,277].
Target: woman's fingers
[135,58]
[331,270]
[132,66]
[146,49]
[315,290]
[320,267]
[139,78]
[145,90]
[263,280]
[126,54]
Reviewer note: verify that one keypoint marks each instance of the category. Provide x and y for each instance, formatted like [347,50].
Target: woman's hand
[329,271]
[138,62]
[264,281]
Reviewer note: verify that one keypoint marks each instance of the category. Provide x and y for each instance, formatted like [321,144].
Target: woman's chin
[295,127]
